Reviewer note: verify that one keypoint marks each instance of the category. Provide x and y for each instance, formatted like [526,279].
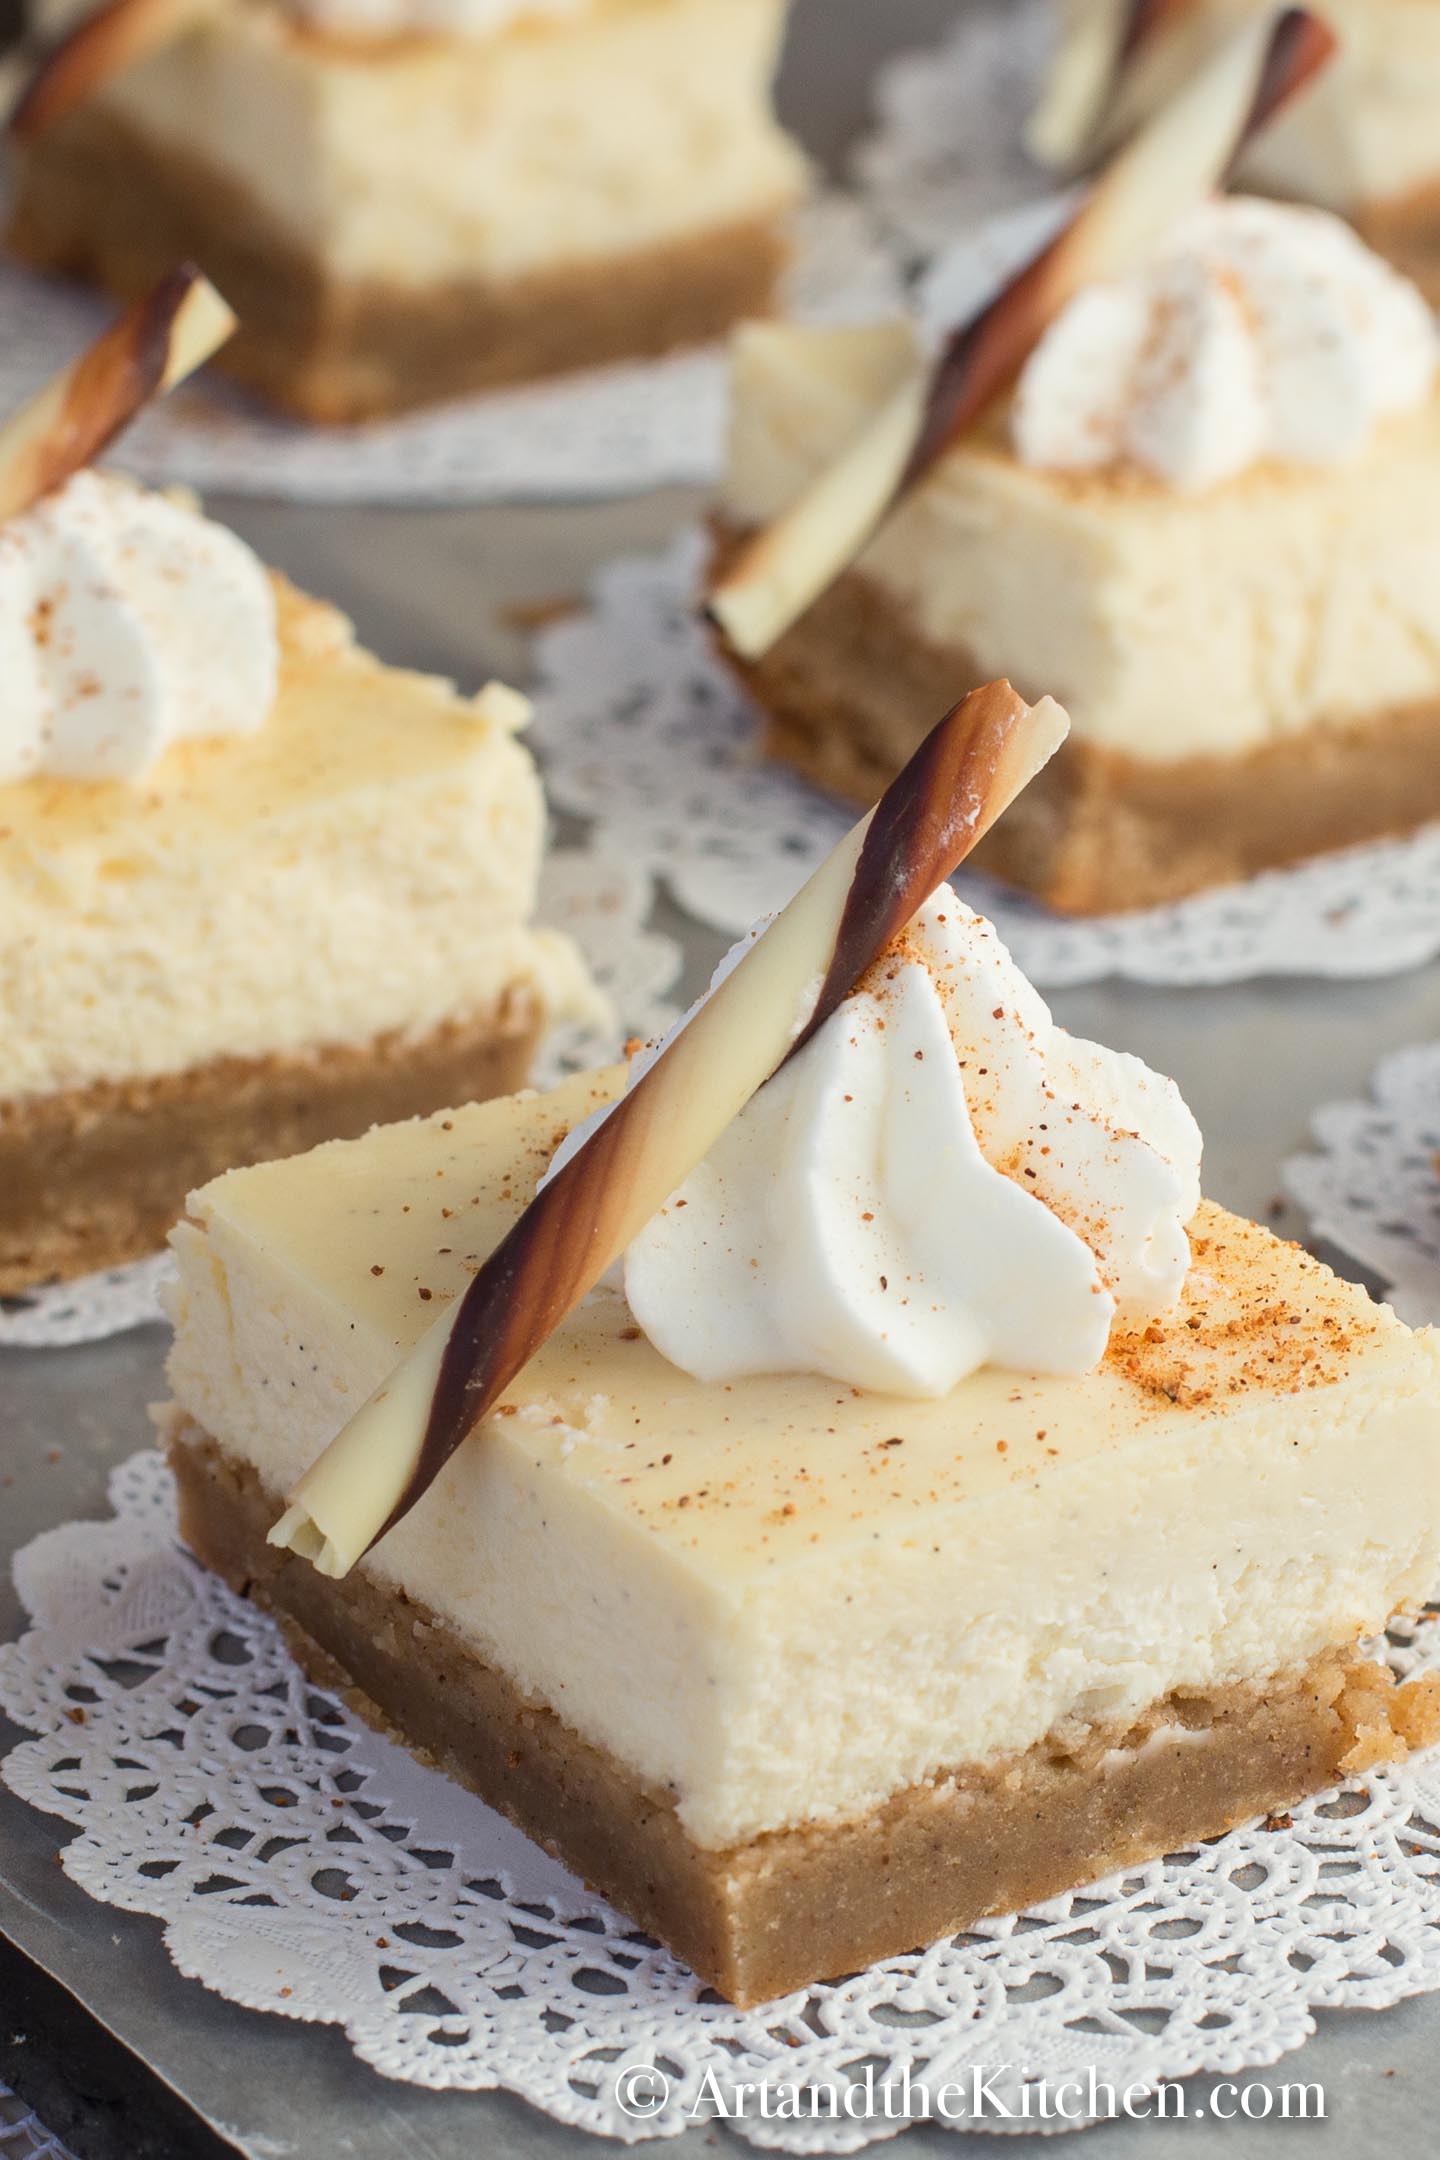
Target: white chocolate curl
[961,779]
[1118,60]
[156,343]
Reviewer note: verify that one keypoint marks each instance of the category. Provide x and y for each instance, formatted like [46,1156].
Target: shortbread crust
[790,1907]
[851,688]
[98,199]
[97,1175]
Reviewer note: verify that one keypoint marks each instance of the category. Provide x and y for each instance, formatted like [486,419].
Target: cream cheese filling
[1169,626]
[781,1600]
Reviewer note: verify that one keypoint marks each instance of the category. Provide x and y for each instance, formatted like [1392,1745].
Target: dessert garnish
[158,341]
[1169,168]
[127,619]
[1109,46]
[946,1180]
[102,44]
[1143,17]
[772,1003]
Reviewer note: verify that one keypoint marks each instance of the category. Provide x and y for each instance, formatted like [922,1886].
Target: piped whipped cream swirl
[429,18]
[942,1179]
[127,621]
[1261,331]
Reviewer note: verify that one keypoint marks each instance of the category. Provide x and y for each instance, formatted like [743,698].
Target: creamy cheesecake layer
[1169,624]
[412,161]
[365,864]
[781,1601]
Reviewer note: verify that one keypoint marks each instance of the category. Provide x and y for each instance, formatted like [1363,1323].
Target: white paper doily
[613,431]
[603,901]
[303,1866]
[946,146]
[640,728]
[22,2134]
[58,1315]
[1373,1190]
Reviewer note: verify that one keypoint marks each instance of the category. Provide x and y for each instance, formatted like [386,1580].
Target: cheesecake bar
[257,938]
[406,201]
[1363,141]
[1219,555]
[798,1673]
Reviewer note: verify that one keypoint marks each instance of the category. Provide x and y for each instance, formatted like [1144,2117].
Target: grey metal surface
[432,589]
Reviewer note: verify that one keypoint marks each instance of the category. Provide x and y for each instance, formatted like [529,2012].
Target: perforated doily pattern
[613,431]
[642,729]
[1372,1185]
[303,1866]
[946,150]
[595,894]
[22,2134]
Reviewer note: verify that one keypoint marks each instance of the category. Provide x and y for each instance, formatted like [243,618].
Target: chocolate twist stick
[1171,167]
[155,343]
[791,979]
[1120,60]
[102,44]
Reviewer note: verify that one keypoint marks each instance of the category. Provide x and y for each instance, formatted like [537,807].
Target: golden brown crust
[798,1905]
[849,691]
[94,198]
[95,1175]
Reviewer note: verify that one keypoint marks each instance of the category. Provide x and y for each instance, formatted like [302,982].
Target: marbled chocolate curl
[155,343]
[102,44]
[1120,59]
[795,974]
[1169,168]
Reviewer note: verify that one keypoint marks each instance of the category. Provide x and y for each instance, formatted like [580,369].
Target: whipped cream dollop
[1259,331]
[941,1179]
[127,621]
[429,18]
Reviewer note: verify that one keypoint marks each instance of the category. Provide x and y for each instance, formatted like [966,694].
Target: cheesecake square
[262,941]
[404,204]
[800,1675]
[1252,670]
